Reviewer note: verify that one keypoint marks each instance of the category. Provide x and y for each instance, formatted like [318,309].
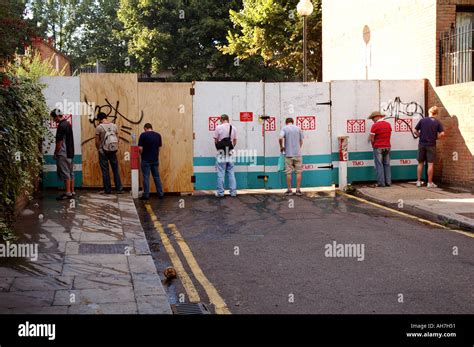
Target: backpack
[226,143]
[110,142]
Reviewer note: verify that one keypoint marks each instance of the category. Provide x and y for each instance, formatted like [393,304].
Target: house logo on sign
[213,123]
[356,126]
[403,125]
[306,122]
[270,124]
[53,125]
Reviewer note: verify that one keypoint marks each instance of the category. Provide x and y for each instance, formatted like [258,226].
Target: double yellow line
[214,297]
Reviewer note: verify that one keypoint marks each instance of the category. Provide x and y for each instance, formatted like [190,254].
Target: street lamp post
[305,8]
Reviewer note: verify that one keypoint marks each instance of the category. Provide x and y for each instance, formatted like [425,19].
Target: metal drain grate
[190,309]
[109,248]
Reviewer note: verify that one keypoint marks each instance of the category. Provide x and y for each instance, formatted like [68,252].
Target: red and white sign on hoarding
[213,123]
[356,126]
[53,125]
[306,122]
[246,116]
[270,124]
[403,125]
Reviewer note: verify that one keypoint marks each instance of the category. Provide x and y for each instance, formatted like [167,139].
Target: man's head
[376,115]
[224,118]
[101,117]
[433,111]
[148,127]
[56,115]
[289,121]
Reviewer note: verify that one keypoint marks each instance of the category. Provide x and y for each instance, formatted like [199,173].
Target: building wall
[455,164]
[402,42]
[47,52]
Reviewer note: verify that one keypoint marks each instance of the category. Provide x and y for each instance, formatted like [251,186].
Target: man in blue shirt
[428,129]
[149,145]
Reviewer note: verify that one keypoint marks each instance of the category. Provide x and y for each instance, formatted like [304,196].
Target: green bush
[23,120]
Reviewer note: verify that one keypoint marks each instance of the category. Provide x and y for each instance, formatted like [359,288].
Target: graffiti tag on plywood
[113,114]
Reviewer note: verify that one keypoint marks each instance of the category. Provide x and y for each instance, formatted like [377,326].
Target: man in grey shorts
[64,154]
[293,141]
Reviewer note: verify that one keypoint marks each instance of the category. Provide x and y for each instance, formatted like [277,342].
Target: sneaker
[161,197]
[73,194]
[298,192]
[289,192]
[144,198]
[418,184]
[219,195]
[233,195]
[431,185]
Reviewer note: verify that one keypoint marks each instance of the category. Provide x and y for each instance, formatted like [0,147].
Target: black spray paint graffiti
[396,109]
[113,114]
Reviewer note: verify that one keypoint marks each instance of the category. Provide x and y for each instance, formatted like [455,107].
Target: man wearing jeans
[149,145]
[105,157]
[225,162]
[380,134]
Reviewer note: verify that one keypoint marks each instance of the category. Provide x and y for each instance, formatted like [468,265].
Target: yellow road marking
[425,221]
[214,297]
[185,279]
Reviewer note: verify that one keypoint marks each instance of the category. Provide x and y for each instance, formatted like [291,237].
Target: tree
[85,30]
[182,36]
[273,30]
[15,31]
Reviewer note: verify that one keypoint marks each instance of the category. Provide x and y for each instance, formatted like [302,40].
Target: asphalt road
[264,255]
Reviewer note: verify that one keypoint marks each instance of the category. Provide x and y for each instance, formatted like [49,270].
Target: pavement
[268,254]
[93,258]
[441,205]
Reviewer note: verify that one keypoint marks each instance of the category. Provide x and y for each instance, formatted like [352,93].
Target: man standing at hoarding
[225,139]
[149,145]
[291,141]
[380,135]
[429,130]
[64,153]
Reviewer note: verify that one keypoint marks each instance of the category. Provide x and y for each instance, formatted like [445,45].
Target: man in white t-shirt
[225,139]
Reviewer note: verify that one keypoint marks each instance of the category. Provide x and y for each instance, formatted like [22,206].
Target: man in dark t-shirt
[429,130]
[64,153]
[149,145]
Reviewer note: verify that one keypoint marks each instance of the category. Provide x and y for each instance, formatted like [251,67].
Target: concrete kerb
[419,212]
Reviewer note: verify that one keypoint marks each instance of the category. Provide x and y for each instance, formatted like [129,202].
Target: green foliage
[34,67]
[85,30]
[22,128]
[182,36]
[15,32]
[273,30]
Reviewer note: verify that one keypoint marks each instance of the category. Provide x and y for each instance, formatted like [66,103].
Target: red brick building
[412,39]
[59,60]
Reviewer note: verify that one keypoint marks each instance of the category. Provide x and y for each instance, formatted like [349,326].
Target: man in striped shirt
[380,134]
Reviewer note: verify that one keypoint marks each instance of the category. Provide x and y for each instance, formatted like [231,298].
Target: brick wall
[455,164]
[58,62]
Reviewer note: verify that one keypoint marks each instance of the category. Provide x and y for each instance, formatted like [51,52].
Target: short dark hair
[224,117]
[148,126]
[289,120]
[56,113]
[101,116]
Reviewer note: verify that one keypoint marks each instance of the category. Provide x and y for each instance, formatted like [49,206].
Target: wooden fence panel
[168,107]
[116,95]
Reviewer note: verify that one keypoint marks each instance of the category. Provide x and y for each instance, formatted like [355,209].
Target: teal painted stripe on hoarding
[50,179]
[393,155]
[49,160]
[269,161]
[276,180]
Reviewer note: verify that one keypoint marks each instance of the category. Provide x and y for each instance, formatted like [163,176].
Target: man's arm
[97,142]
[372,138]
[58,147]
